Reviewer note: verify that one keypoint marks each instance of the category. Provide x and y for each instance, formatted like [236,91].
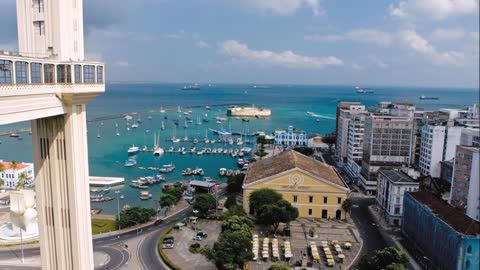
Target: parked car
[202,234]
[168,242]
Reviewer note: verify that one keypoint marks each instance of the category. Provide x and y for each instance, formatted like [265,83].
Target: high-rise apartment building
[465,189]
[49,83]
[356,129]
[387,144]
[345,110]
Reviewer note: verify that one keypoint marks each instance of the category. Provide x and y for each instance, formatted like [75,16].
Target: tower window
[39,27]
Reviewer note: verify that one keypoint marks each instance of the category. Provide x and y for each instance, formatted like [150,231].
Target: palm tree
[13,166]
[347,207]
[2,169]
[21,180]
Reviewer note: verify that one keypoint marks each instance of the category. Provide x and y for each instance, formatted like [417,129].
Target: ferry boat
[14,135]
[423,97]
[167,168]
[130,163]
[191,87]
[145,195]
[363,90]
[221,131]
[133,150]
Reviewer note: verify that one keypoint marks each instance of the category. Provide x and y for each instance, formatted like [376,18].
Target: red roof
[8,165]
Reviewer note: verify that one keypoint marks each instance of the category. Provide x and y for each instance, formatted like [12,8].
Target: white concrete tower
[52,28]
[49,83]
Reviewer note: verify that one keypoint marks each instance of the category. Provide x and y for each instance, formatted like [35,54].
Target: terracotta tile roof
[288,160]
[8,165]
[453,217]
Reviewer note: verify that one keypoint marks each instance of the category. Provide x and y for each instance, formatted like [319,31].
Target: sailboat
[174,138]
[98,132]
[139,119]
[185,139]
[185,125]
[116,128]
[163,125]
[198,121]
[206,136]
[157,150]
[162,110]
[179,110]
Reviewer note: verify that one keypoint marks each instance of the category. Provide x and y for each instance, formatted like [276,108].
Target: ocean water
[289,105]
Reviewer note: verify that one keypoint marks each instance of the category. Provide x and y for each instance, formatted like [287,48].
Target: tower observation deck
[49,83]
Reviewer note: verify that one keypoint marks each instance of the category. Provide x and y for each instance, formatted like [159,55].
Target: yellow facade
[313,196]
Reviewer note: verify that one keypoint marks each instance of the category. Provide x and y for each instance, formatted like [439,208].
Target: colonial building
[312,186]
[290,137]
[392,185]
[11,175]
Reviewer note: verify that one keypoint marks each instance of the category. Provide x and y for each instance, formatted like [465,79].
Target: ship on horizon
[360,90]
[194,86]
[423,97]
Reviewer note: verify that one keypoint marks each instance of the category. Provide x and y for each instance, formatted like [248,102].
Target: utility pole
[118,208]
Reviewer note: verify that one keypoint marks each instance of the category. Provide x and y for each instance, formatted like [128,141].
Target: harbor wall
[249,112]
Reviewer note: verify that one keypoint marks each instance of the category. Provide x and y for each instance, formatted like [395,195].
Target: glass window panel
[89,74]
[48,70]
[35,73]
[99,74]
[5,71]
[63,74]
[78,74]
[21,73]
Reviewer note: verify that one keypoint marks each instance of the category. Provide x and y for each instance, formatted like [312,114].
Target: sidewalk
[394,240]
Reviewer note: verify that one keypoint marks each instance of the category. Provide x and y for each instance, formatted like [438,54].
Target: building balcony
[40,86]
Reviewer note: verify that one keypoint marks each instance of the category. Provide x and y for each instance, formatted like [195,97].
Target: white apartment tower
[356,129]
[49,83]
[345,111]
[51,28]
[438,144]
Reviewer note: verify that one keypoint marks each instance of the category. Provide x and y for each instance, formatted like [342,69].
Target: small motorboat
[130,163]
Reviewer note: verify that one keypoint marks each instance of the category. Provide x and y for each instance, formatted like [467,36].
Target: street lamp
[118,208]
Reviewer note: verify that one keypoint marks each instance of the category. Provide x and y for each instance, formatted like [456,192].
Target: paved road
[372,239]
[113,246]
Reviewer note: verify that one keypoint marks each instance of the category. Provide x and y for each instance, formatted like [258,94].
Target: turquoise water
[289,105]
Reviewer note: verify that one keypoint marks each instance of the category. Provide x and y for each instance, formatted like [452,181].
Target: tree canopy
[330,139]
[135,215]
[237,223]
[167,200]
[307,151]
[204,203]
[278,266]
[232,250]
[235,183]
[261,197]
[387,258]
[274,214]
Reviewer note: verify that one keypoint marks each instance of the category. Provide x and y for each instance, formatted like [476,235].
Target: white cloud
[371,36]
[357,66]
[287,59]
[433,9]
[121,63]
[475,36]
[447,34]
[202,44]
[378,63]
[420,45]
[281,7]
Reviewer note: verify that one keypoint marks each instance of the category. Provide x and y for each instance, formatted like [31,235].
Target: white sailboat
[163,125]
[98,132]
[174,138]
[162,110]
[157,150]
[116,128]
[206,137]
[179,110]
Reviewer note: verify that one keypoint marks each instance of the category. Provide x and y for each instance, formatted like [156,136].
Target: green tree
[2,170]
[237,223]
[278,266]
[13,166]
[235,183]
[261,197]
[396,266]
[274,214]
[134,216]
[232,250]
[231,201]
[21,180]
[176,191]
[261,153]
[167,200]
[347,206]
[204,203]
[307,151]
[330,139]
[387,257]
[234,210]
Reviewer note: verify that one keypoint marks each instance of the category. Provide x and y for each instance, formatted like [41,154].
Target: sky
[343,42]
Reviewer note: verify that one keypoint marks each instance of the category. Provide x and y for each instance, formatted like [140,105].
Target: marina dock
[122,115]
[100,181]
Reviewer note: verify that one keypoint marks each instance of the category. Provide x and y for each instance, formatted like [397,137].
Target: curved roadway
[146,252]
